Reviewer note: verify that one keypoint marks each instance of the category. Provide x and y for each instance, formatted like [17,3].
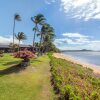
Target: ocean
[90,57]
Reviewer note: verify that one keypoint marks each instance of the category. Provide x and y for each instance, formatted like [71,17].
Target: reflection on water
[89,57]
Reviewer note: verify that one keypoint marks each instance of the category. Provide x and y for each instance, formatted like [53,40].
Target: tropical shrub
[1,53]
[73,82]
[25,55]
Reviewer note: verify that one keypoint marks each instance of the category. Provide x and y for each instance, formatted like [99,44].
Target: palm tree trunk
[40,45]
[34,38]
[19,46]
[13,33]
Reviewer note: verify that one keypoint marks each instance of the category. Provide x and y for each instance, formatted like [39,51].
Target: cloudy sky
[76,22]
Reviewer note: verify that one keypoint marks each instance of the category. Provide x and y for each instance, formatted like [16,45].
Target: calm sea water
[88,57]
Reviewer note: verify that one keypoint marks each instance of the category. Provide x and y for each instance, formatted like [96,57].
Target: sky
[76,22]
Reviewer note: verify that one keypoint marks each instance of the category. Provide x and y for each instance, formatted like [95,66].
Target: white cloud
[86,9]
[94,45]
[67,41]
[64,41]
[7,40]
[77,35]
[76,41]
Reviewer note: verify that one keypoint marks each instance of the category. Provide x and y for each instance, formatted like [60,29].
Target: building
[7,48]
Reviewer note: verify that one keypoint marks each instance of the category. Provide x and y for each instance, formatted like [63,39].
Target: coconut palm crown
[39,19]
[20,36]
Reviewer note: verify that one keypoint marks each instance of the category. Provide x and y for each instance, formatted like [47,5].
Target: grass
[73,82]
[32,83]
[7,61]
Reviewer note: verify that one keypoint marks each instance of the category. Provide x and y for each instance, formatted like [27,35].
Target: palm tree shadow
[12,69]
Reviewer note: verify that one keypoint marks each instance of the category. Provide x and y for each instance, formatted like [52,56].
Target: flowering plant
[25,55]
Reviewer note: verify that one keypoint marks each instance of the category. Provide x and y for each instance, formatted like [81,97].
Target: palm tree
[48,38]
[15,46]
[16,18]
[20,36]
[35,30]
[46,35]
[37,20]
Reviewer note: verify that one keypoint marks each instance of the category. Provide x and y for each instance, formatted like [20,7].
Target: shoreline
[95,68]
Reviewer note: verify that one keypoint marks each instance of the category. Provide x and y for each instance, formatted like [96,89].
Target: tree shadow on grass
[11,63]
[12,69]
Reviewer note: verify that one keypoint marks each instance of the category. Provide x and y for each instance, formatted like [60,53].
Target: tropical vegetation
[25,55]
[20,36]
[37,20]
[42,30]
[70,81]
[45,32]
[73,81]
[1,53]
[16,18]
[32,83]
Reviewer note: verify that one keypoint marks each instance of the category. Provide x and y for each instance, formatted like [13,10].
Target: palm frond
[20,36]
[17,17]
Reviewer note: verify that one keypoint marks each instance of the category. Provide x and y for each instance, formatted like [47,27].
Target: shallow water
[84,56]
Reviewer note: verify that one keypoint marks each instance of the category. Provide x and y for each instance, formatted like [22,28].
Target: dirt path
[41,68]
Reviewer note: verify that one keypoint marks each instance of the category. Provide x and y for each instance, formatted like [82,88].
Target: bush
[72,81]
[25,55]
[1,53]
[95,96]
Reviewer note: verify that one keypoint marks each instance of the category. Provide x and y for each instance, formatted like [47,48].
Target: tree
[46,36]
[25,55]
[20,36]
[15,46]
[35,30]
[37,20]
[16,18]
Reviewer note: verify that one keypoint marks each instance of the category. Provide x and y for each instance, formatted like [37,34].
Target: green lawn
[32,83]
[7,61]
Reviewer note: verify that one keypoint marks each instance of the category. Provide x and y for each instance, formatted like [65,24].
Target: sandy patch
[95,68]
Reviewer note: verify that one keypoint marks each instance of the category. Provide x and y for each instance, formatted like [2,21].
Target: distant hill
[75,50]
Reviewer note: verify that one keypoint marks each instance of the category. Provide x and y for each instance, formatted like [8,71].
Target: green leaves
[38,19]
[95,96]
[73,81]
[17,17]
[45,32]
[20,36]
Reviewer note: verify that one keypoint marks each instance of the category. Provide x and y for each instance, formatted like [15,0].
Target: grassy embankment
[32,83]
[73,82]
[70,81]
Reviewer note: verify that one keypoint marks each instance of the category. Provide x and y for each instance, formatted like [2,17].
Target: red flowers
[24,54]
